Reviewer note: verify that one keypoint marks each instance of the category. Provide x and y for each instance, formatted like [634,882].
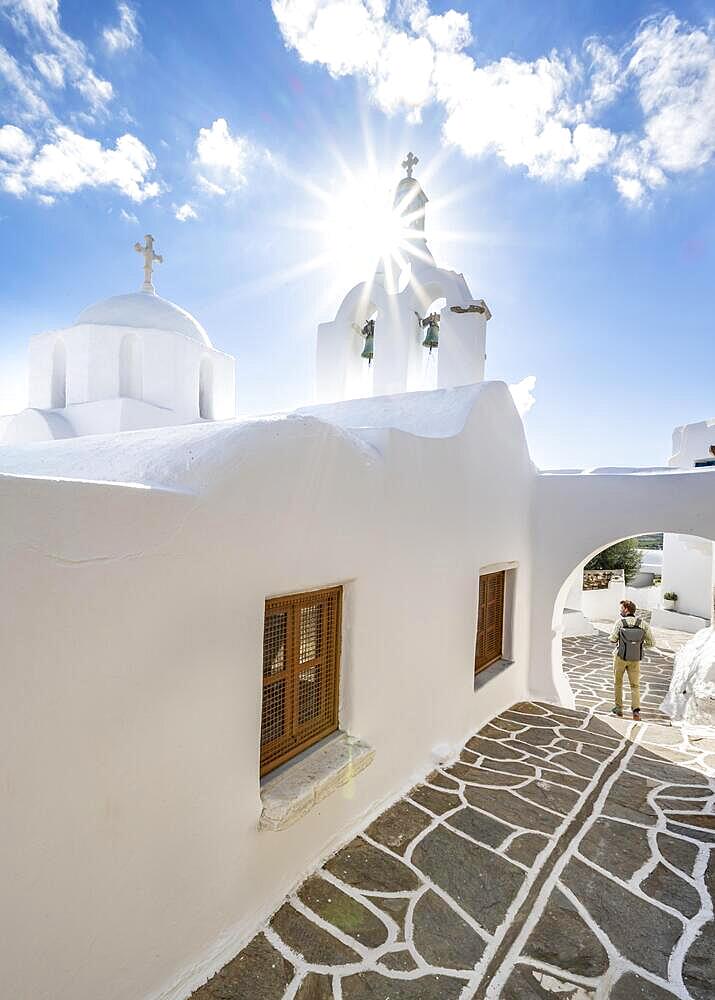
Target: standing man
[631,634]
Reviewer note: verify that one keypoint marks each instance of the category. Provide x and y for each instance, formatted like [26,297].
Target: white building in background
[396,299]
[127,362]
[227,645]
[688,568]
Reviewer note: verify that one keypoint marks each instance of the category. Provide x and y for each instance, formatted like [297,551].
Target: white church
[128,362]
[227,644]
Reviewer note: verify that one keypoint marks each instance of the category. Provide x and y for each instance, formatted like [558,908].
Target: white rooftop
[189,456]
[146,310]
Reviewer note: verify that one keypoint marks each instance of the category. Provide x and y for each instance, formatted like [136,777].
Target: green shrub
[670,595]
[623,555]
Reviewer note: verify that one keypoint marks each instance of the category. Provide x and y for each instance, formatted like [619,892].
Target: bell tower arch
[432,310]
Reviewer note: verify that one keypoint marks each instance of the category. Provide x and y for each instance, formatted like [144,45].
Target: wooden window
[301,661]
[490,624]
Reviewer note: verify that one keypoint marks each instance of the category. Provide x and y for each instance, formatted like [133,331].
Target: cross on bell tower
[410,162]
[409,203]
[150,258]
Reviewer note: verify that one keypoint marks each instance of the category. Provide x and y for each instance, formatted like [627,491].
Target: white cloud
[128,217]
[56,159]
[514,109]
[185,212]
[344,35]
[403,77]
[28,102]
[592,146]
[605,74]
[70,162]
[57,58]
[450,31]
[14,143]
[12,183]
[126,33]
[675,72]
[222,159]
[543,115]
[208,187]
[523,394]
[50,68]
[630,188]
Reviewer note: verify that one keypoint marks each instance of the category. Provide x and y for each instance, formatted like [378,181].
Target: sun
[360,226]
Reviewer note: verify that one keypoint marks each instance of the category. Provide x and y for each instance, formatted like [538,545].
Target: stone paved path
[588,663]
[564,855]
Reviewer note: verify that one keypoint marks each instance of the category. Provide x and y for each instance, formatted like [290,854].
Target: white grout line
[438,890]
[497,983]
[634,890]
[370,958]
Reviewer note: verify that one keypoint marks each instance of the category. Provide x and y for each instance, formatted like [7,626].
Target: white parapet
[676,620]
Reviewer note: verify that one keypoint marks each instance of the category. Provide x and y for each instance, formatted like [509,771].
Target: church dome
[144,309]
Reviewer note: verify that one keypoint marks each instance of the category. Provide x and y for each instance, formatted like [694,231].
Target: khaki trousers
[633,669]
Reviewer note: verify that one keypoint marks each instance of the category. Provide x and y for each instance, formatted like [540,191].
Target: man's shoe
[636,715]
[617,711]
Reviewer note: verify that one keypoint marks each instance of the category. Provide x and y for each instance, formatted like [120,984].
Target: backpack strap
[638,624]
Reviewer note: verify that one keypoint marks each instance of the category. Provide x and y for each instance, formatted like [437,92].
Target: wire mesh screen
[301,666]
[490,624]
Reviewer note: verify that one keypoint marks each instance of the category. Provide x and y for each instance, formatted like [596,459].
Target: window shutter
[301,659]
[490,620]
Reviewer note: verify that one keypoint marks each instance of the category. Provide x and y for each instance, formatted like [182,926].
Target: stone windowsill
[297,786]
[495,669]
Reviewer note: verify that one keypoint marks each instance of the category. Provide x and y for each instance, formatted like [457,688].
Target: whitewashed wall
[575,516]
[688,571]
[169,366]
[688,567]
[398,353]
[131,861]
[130,857]
[647,598]
[600,605]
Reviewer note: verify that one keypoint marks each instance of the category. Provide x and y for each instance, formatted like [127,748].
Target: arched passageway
[577,515]
[59,376]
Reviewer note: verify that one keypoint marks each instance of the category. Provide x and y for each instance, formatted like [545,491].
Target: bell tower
[412,325]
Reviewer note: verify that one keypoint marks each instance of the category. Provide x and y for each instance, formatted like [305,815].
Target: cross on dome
[410,162]
[150,258]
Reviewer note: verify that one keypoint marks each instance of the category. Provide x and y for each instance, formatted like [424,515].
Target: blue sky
[567,149]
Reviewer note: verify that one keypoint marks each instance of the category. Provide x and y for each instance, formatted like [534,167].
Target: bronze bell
[368,332]
[432,336]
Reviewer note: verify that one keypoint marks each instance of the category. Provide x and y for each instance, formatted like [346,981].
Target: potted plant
[670,599]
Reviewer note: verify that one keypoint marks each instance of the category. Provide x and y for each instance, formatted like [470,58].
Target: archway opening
[430,297]
[669,578]
[361,371]
[130,367]
[58,391]
[206,390]
[429,367]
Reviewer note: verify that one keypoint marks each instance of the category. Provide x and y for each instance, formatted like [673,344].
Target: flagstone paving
[564,855]
[587,661]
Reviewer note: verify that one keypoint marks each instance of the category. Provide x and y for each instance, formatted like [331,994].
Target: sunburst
[357,232]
